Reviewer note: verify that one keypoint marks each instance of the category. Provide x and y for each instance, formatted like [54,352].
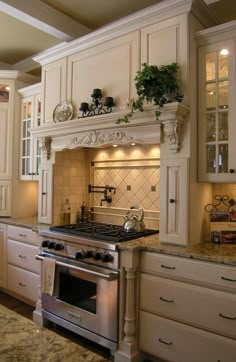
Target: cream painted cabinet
[30,117]
[174,201]
[2,255]
[187,309]
[5,198]
[110,66]
[45,193]
[171,36]
[22,267]
[54,80]
[217,108]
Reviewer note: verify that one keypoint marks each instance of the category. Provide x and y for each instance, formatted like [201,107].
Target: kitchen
[80,152]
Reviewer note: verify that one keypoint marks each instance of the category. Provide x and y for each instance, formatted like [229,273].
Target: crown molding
[218,33]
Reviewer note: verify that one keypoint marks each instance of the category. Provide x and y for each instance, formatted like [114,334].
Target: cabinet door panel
[53,87]
[190,304]
[178,342]
[5,198]
[5,144]
[174,201]
[2,255]
[216,112]
[23,283]
[110,66]
[45,194]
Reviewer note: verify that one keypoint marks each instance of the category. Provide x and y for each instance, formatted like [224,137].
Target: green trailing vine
[157,85]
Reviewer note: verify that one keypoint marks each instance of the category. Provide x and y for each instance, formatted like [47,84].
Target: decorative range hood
[102,130]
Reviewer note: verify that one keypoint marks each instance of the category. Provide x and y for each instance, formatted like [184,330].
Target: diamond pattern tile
[140,179]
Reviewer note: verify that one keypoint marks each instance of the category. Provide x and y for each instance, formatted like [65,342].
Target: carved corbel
[173,132]
[46,146]
[172,120]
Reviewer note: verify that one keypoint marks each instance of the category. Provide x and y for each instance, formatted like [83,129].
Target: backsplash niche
[109,180]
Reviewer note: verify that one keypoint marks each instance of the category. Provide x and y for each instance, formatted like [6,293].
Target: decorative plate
[63,112]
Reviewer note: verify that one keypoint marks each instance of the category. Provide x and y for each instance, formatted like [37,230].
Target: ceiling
[29,27]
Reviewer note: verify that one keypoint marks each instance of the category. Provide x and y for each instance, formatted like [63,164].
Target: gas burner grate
[100,231]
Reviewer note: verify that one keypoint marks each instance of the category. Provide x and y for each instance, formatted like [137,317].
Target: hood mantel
[102,130]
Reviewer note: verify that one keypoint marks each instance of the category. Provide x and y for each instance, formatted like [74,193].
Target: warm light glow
[133,144]
[115,145]
[7,88]
[224,52]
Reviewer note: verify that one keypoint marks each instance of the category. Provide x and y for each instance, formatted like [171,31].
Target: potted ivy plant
[157,85]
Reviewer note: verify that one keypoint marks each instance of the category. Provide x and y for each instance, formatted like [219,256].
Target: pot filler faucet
[104,190]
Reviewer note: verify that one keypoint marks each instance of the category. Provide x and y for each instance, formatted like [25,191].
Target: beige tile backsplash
[133,171]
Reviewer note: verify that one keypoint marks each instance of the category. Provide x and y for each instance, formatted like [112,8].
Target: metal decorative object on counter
[98,106]
[221,200]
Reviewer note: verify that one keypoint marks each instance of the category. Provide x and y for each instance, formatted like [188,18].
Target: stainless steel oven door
[85,296]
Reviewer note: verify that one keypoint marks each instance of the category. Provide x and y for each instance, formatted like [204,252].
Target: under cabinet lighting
[115,145]
[7,88]
[133,144]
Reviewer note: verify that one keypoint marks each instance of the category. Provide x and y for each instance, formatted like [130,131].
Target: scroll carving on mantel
[99,138]
[172,120]
[46,146]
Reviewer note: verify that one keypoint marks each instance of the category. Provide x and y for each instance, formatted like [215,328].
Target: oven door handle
[111,276]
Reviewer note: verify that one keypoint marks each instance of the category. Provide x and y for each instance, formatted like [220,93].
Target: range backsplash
[133,170]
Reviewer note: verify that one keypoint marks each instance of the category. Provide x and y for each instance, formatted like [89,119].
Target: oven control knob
[107,258]
[51,245]
[80,254]
[98,255]
[88,254]
[45,243]
[59,246]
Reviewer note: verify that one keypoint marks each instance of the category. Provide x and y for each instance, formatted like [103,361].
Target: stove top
[101,231]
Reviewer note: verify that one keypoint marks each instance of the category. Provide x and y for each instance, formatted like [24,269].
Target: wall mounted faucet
[105,189]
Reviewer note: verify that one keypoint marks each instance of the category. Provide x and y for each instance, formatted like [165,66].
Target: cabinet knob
[231,170]
[171,201]
[44,193]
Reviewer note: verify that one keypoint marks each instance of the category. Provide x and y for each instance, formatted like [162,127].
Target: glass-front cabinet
[216,113]
[30,148]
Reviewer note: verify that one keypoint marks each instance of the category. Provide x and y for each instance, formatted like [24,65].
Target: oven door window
[78,292]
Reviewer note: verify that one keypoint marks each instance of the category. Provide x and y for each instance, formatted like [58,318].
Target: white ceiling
[29,27]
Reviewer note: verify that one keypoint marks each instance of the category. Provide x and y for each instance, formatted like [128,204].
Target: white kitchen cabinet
[110,66]
[174,201]
[22,267]
[217,107]
[45,200]
[54,80]
[186,314]
[5,198]
[2,255]
[30,156]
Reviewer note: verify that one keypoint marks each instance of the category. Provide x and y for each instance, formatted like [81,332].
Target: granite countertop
[27,222]
[217,253]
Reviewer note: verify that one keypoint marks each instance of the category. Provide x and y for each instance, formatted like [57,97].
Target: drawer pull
[228,279]
[226,317]
[23,235]
[167,267]
[22,256]
[167,300]
[22,285]
[161,340]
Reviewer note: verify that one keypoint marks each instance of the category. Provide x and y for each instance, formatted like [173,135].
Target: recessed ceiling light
[224,52]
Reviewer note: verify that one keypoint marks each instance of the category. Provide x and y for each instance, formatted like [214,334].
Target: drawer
[215,275]
[22,234]
[23,255]
[176,342]
[204,308]
[23,283]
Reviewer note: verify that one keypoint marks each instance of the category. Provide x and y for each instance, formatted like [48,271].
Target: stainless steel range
[86,285]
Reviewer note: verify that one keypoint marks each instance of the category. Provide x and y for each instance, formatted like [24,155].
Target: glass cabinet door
[216,113]
[216,105]
[26,139]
